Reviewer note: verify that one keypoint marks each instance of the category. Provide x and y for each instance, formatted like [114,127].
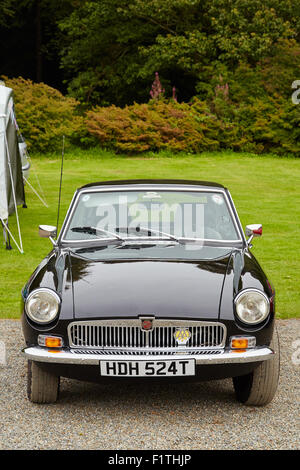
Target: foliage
[157,125]
[248,109]
[257,102]
[30,38]
[112,48]
[6,11]
[44,115]
[258,126]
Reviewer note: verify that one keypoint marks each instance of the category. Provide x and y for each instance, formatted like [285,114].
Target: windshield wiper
[94,230]
[149,231]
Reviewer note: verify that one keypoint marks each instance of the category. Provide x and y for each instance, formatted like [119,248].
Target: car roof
[153,182]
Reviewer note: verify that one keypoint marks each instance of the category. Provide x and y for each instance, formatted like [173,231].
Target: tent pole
[43,197]
[6,238]
[20,248]
[7,241]
[24,205]
[14,197]
[35,192]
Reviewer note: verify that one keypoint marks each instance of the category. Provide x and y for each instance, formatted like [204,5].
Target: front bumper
[74,357]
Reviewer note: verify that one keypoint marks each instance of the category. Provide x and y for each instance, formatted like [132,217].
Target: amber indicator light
[51,342]
[239,343]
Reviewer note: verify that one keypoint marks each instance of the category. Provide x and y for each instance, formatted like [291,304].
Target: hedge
[271,125]
[44,115]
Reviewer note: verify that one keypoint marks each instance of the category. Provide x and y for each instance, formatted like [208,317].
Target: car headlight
[42,305]
[252,306]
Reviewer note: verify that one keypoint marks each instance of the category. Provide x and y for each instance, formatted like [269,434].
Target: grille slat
[128,334]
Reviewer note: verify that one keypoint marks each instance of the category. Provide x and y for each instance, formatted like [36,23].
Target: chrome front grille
[127,334]
[105,352]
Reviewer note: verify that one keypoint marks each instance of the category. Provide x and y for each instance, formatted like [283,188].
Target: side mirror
[48,231]
[254,230]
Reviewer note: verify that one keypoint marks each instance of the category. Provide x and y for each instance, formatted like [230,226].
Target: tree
[30,37]
[6,12]
[112,48]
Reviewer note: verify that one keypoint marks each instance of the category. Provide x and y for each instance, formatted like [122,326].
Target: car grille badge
[146,323]
[182,335]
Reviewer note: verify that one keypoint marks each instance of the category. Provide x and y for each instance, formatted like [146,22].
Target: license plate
[177,368]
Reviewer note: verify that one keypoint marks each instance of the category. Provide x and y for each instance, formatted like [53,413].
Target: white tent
[11,178]
[14,167]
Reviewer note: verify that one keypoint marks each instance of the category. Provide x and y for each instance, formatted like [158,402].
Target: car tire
[42,387]
[259,387]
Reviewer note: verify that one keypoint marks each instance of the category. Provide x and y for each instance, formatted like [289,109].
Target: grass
[265,190]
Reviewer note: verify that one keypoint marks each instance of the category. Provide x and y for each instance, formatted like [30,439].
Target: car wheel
[42,387]
[259,387]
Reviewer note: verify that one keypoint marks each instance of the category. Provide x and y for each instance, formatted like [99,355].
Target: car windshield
[173,216]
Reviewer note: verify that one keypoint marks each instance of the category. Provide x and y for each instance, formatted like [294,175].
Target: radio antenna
[60,184]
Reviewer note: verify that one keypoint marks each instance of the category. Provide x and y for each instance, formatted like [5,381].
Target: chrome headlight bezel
[53,315]
[237,302]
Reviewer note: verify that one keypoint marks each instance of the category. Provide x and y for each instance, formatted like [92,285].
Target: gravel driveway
[193,416]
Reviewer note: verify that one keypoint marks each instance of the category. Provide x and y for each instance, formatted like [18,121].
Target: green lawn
[265,190]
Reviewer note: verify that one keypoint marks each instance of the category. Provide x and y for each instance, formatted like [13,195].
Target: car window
[152,214]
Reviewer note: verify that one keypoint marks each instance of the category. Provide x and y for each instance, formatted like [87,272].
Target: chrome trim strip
[66,357]
[235,212]
[63,226]
[137,335]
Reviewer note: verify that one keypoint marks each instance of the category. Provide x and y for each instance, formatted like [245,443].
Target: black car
[151,280]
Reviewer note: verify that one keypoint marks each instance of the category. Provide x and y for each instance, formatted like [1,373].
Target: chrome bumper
[67,357]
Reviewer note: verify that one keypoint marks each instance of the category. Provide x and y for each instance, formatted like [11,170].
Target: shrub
[263,124]
[154,126]
[272,125]
[44,115]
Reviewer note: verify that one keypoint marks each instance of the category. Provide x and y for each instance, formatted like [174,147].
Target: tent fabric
[14,167]
[12,191]
[5,97]
[11,178]
[14,175]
